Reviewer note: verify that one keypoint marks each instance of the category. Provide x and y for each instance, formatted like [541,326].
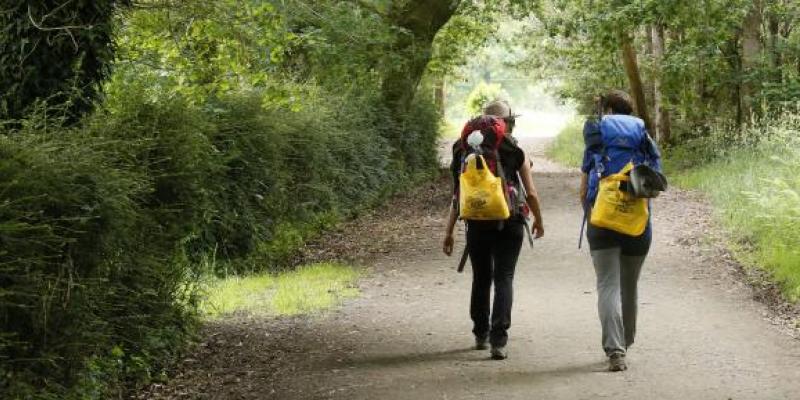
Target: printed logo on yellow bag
[619,210]
[481,193]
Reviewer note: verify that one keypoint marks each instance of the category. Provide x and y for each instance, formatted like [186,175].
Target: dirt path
[408,337]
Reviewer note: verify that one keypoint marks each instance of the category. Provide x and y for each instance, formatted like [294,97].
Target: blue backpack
[611,143]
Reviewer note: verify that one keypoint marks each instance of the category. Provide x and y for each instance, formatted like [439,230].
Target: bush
[105,226]
[83,264]
[484,93]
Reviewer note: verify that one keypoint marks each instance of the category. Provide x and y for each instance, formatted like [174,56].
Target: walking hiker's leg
[630,269]
[634,252]
[506,253]
[479,245]
[607,268]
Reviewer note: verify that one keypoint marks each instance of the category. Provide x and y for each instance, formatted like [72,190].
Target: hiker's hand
[537,229]
[447,247]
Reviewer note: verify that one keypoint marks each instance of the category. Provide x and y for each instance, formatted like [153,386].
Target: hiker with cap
[493,242]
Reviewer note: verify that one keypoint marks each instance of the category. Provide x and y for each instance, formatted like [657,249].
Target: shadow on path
[415,358]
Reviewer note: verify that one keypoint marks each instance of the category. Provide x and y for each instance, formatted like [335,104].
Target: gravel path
[701,336]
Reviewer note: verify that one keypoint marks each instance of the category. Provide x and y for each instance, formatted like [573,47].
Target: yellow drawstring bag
[617,209]
[481,194]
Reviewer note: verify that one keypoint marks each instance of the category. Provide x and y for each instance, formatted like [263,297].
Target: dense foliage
[229,132]
[721,82]
[106,224]
[756,192]
[54,51]
[704,64]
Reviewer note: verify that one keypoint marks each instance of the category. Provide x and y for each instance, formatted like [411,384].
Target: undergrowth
[108,226]
[755,189]
[567,147]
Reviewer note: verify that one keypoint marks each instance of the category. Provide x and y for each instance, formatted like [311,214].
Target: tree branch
[66,28]
[372,7]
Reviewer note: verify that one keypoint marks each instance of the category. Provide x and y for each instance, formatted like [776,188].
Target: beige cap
[499,108]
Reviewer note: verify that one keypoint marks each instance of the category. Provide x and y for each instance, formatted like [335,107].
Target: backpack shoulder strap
[458,145]
[593,140]
[499,162]
[510,147]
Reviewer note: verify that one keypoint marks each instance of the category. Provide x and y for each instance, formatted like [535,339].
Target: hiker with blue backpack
[494,194]
[621,171]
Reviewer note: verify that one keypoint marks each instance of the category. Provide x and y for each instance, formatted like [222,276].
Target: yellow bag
[482,196]
[619,210]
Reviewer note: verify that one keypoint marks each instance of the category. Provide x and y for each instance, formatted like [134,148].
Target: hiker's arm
[584,188]
[447,246]
[455,169]
[532,198]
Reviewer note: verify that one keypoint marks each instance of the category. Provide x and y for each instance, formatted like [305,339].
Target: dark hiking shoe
[616,362]
[499,353]
[481,343]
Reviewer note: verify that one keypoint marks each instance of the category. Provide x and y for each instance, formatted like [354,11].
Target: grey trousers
[617,280]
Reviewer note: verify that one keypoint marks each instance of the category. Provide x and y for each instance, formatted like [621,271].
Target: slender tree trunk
[775,56]
[731,52]
[751,53]
[663,127]
[635,79]
[651,79]
[439,93]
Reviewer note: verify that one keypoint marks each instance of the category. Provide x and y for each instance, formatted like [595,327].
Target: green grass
[305,290]
[450,129]
[313,288]
[756,196]
[567,147]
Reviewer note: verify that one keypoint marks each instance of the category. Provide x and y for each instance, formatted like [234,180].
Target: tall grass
[567,147]
[755,188]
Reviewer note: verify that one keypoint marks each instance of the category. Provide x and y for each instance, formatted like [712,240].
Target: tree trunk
[635,79]
[732,54]
[663,127]
[439,93]
[650,79]
[420,21]
[751,54]
[780,27]
[49,55]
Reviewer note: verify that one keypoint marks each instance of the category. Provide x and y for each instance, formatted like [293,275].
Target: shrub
[484,93]
[83,266]
[106,225]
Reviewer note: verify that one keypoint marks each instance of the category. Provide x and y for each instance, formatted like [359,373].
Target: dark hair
[619,102]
